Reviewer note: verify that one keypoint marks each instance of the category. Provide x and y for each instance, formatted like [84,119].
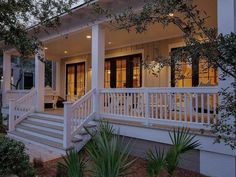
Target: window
[123,72]
[196,73]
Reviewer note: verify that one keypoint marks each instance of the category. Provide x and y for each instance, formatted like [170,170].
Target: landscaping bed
[139,167]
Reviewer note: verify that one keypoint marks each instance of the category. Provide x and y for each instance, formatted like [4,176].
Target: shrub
[109,155]
[158,160]
[13,159]
[73,165]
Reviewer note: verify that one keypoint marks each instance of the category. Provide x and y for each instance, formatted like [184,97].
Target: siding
[150,51]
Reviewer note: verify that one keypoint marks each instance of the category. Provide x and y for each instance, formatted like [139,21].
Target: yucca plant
[109,154]
[182,142]
[156,162]
[72,166]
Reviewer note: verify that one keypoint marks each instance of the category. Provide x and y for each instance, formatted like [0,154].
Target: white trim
[171,46]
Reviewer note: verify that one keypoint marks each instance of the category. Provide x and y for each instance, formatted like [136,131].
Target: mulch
[48,169]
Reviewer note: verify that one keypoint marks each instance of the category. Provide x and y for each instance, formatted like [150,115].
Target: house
[98,71]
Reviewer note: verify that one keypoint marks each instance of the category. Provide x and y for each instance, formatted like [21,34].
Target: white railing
[192,107]
[21,108]
[13,95]
[78,114]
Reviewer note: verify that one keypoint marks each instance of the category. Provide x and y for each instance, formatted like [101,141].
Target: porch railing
[192,107]
[13,95]
[21,108]
[78,114]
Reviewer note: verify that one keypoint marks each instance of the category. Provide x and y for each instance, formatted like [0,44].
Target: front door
[75,80]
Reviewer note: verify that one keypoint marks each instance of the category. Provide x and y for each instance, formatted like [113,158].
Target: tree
[202,42]
[22,20]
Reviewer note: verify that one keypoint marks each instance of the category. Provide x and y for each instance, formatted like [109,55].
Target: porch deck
[57,111]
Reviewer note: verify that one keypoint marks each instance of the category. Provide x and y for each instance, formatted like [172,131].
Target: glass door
[123,72]
[75,80]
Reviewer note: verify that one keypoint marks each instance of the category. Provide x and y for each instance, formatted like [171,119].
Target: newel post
[67,124]
[11,123]
[147,108]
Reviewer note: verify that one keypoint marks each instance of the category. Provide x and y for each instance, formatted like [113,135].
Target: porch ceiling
[77,43]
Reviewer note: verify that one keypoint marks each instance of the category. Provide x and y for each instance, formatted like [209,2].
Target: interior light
[65,52]
[88,37]
[45,48]
[109,43]
[171,14]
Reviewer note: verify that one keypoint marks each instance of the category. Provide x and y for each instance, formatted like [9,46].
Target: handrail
[76,115]
[21,108]
[192,107]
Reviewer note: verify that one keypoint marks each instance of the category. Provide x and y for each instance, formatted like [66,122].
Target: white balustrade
[77,114]
[21,108]
[13,95]
[192,107]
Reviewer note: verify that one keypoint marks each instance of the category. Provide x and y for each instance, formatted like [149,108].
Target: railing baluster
[208,108]
[156,105]
[185,107]
[161,106]
[180,106]
[202,108]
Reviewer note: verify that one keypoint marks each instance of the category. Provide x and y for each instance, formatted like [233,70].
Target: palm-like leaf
[183,141]
[108,154]
[72,166]
[156,162]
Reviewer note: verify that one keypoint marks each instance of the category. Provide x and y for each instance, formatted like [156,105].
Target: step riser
[45,121]
[43,128]
[48,116]
[40,135]
[24,140]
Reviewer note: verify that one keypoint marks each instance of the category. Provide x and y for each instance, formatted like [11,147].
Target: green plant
[13,159]
[158,160]
[109,155]
[73,165]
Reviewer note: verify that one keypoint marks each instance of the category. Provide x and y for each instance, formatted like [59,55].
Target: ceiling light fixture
[65,52]
[171,14]
[88,37]
[109,43]
[45,48]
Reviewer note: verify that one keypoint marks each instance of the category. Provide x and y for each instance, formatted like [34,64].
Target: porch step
[39,131]
[37,140]
[42,125]
[44,118]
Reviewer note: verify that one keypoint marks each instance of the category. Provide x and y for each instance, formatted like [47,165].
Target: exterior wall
[149,51]
[139,147]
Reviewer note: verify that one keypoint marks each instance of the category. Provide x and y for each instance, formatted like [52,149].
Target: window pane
[120,73]
[208,76]
[107,77]
[136,72]
[70,80]
[80,80]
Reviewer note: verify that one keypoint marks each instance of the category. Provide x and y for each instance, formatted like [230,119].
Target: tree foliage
[22,20]
[202,42]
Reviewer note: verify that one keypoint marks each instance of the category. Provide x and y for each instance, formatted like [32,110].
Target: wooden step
[38,131]
[36,139]
[39,124]
[46,119]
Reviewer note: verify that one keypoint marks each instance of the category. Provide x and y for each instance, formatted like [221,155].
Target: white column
[6,85]
[212,163]
[39,83]
[98,56]
[226,14]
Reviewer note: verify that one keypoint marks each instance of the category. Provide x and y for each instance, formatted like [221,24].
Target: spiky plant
[109,154]
[72,165]
[156,162]
[182,142]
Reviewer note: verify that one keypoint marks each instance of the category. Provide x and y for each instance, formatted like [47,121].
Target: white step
[45,125]
[45,120]
[41,127]
[42,114]
[57,147]
[42,134]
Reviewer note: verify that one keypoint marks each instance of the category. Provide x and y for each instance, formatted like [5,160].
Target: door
[75,80]
[123,72]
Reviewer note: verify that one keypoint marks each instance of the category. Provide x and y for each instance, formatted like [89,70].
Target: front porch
[99,75]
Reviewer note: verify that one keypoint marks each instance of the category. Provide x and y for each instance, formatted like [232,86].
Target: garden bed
[139,169]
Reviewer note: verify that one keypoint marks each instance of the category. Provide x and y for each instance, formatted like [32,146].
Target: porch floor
[57,111]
